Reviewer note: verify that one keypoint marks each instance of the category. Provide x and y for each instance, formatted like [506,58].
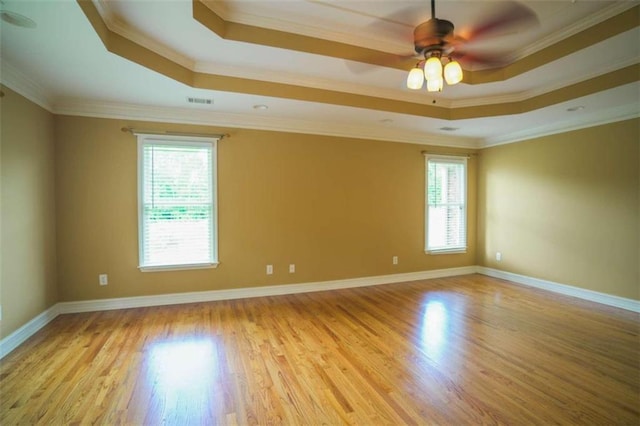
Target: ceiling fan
[440,49]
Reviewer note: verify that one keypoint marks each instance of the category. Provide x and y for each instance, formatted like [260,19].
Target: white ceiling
[63,65]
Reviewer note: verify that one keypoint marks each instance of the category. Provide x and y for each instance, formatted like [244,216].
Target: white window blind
[446,212]
[177,209]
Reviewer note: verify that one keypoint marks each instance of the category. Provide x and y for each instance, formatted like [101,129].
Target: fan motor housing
[431,34]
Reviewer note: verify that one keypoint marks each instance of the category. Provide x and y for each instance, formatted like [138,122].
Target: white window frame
[173,141]
[454,160]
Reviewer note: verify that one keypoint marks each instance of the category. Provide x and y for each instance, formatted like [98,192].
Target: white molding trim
[115,24]
[243,293]
[613,115]
[36,93]
[567,290]
[19,336]
[16,338]
[542,90]
[19,83]
[247,121]
[299,25]
[614,9]
[306,81]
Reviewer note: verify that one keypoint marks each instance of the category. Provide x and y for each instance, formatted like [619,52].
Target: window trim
[171,140]
[457,159]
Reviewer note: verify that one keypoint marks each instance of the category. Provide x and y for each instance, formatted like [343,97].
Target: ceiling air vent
[449,129]
[200,101]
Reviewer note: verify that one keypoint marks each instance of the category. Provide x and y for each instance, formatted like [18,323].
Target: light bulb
[453,73]
[433,68]
[415,80]
[435,85]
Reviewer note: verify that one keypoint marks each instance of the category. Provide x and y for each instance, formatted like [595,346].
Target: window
[446,210]
[176,202]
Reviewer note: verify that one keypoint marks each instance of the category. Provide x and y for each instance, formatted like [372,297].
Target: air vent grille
[449,129]
[200,101]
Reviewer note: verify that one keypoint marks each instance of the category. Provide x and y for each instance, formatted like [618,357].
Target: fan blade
[367,63]
[489,60]
[454,41]
[508,17]
[397,26]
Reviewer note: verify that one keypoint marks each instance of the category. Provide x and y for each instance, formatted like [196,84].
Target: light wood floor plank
[461,350]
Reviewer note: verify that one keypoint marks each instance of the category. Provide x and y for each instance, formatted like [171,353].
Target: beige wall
[565,208]
[27,222]
[337,208]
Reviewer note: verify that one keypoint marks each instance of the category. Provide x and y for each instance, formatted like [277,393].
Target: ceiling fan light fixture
[433,68]
[453,73]
[435,84]
[415,79]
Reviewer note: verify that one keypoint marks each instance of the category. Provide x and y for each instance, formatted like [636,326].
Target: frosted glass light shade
[433,68]
[415,80]
[435,85]
[453,73]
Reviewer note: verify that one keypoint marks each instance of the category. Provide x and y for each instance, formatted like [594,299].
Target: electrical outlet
[103,279]
[395,260]
[292,268]
[269,269]
[498,256]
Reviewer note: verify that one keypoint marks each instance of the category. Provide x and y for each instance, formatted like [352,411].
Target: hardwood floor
[460,350]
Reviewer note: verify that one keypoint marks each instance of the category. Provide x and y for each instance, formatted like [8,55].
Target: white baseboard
[242,293]
[12,341]
[16,338]
[581,293]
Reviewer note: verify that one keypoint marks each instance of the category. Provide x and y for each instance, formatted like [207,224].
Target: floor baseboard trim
[16,338]
[13,340]
[246,292]
[568,290]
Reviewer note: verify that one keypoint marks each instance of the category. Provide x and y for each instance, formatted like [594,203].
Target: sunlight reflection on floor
[434,330]
[183,366]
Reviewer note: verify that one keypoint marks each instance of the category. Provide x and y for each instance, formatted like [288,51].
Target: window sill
[160,268]
[447,251]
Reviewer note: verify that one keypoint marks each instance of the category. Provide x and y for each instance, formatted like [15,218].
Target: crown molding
[115,24]
[220,8]
[248,121]
[602,15]
[19,83]
[283,77]
[383,44]
[388,134]
[585,121]
[419,97]
[308,29]
[523,96]
[346,87]
[10,77]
